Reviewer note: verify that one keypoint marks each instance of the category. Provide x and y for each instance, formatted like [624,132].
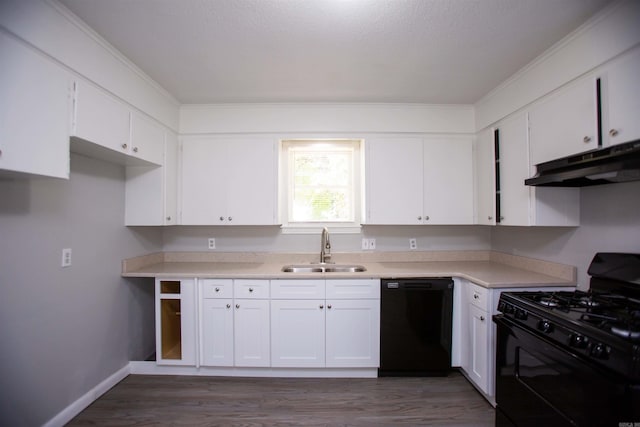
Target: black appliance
[572,358]
[617,163]
[415,327]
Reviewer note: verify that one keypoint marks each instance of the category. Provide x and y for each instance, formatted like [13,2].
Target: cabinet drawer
[253,289]
[353,289]
[217,288]
[297,289]
[478,296]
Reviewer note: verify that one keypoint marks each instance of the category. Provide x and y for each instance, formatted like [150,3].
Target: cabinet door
[622,96]
[353,333]
[478,335]
[565,123]
[394,181]
[448,180]
[251,181]
[147,139]
[298,333]
[35,111]
[203,182]
[216,344]
[101,119]
[251,333]
[514,169]
[175,322]
[485,195]
[170,179]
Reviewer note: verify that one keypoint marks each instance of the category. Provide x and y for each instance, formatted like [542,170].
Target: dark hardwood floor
[142,400]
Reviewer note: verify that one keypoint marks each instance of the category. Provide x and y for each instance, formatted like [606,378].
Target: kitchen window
[320,184]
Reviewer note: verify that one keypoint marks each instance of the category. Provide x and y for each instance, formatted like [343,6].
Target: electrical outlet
[66,257]
[372,244]
[413,244]
[365,244]
[212,243]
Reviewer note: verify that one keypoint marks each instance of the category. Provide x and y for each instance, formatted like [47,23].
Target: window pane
[324,204]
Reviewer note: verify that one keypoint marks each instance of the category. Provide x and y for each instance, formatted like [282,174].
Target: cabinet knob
[237,305]
[321,306]
[217,289]
[501,218]
[250,289]
[419,218]
[230,219]
[613,132]
[221,218]
[586,139]
[124,146]
[476,296]
[482,318]
[135,149]
[168,218]
[489,218]
[426,218]
[329,306]
[0,153]
[228,305]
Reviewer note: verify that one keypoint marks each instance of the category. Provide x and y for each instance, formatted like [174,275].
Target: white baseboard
[87,399]
[151,368]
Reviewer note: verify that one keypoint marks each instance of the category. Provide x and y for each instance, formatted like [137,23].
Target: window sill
[317,229]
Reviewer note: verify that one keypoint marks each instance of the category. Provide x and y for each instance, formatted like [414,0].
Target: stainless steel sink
[323,268]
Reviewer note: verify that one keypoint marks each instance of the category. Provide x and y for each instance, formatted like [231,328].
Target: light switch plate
[66,257]
[413,244]
[365,244]
[372,244]
[212,243]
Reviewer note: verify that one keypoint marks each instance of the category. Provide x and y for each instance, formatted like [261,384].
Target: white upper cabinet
[485,178]
[105,127]
[448,180]
[228,181]
[419,181]
[621,100]
[394,181]
[514,169]
[151,191]
[35,107]
[564,123]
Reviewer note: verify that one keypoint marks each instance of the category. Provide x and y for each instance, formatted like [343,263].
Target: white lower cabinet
[234,323]
[332,323]
[477,366]
[175,322]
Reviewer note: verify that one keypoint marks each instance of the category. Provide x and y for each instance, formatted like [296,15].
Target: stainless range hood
[617,163]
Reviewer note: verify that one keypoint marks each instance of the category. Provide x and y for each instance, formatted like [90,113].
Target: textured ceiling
[431,51]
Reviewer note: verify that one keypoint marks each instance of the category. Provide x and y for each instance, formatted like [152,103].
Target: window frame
[285,184]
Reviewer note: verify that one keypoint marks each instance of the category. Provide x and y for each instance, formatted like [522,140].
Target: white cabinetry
[234,323]
[151,192]
[216,322]
[477,323]
[419,180]
[485,195]
[525,205]
[175,322]
[564,123]
[228,181]
[338,329]
[35,107]
[105,127]
[621,99]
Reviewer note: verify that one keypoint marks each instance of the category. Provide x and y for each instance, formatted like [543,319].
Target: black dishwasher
[415,327]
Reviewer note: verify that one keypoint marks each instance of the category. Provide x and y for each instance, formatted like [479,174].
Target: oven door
[539,383]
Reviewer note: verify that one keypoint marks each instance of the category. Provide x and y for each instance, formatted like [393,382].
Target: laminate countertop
[489,269]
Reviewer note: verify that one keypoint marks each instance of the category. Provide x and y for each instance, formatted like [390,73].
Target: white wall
[388,238]
[64,330]
[610,222]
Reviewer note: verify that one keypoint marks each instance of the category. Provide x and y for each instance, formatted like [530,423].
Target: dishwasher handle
[426,284]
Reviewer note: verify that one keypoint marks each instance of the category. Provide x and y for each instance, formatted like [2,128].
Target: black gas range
[572,357]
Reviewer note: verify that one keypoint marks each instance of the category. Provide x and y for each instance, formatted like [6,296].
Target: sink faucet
[325,246]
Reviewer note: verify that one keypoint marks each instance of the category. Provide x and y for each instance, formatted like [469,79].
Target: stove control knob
[509,309]
[501,306]
[545,326]
[578,341]
[600,351]
[521,314]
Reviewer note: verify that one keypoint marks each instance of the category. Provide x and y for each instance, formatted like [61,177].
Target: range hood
[617,163]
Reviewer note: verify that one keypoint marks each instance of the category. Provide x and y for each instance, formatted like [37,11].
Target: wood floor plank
[143,400]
